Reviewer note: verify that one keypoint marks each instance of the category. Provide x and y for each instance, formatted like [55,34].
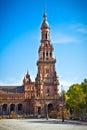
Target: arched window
[20,107]
[46,53]
[12,107]
[4,108]
[50,107]
[39,110]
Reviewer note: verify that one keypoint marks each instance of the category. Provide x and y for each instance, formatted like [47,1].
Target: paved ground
[40,124]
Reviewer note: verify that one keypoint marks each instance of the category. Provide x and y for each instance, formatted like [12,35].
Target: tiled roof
[12,89]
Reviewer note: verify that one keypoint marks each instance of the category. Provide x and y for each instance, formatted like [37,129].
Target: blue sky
[20,35]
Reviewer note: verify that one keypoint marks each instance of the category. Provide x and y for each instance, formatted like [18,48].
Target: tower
[46,81]
[29,94]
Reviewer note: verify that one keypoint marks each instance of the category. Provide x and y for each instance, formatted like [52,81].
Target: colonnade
[6,109]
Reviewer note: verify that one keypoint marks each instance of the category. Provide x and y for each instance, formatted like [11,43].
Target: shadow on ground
[55,122]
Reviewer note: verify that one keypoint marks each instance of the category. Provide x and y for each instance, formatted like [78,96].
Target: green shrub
[30,117]
[53,114]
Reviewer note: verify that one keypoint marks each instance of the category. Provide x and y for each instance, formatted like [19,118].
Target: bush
[13,114]
[53,114]
[30,117]
[66,113]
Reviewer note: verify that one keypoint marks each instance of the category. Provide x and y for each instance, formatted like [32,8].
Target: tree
[84,87]
[76,99]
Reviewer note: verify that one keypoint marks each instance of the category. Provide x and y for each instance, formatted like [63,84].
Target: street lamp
[47,109]
[62,104]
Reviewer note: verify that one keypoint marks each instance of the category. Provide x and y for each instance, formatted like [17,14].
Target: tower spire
[45,23]
[44,10]
[45,15]
[27,71]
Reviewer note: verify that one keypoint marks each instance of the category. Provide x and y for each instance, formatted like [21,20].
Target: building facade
[39,97]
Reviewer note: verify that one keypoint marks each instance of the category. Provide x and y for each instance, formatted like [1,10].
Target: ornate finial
[45,15]
[45,23]
[27,71]
[27,75]
[44,10]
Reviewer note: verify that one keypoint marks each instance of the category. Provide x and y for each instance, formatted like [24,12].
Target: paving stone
[40,124]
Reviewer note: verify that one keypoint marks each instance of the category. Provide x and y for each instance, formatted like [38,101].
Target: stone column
[16,108]
[9,109]
[0,109]
[49,54]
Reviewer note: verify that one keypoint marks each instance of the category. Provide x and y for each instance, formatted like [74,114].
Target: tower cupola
[45,23]
[27,79]
[45,29]
[46,48]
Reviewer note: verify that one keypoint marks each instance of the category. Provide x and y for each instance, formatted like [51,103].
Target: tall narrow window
[46,53]
[50,54]
[46,36]
[48,90]
[46,44]
[39,110]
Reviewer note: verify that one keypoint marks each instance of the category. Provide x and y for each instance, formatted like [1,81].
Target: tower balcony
[46,61]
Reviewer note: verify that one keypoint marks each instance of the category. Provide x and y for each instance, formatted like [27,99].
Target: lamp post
[47,109]
[62,104]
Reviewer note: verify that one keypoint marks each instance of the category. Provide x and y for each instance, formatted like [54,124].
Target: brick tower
[47,80]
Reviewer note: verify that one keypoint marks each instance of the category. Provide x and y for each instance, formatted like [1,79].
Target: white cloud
[11,81]
[75,25]
[65,84]
[63,38]
[17,80]
[32,75]
[70,35]
[2,83]
[82,28]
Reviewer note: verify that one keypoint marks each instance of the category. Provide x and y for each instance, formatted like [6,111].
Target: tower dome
[45,23]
